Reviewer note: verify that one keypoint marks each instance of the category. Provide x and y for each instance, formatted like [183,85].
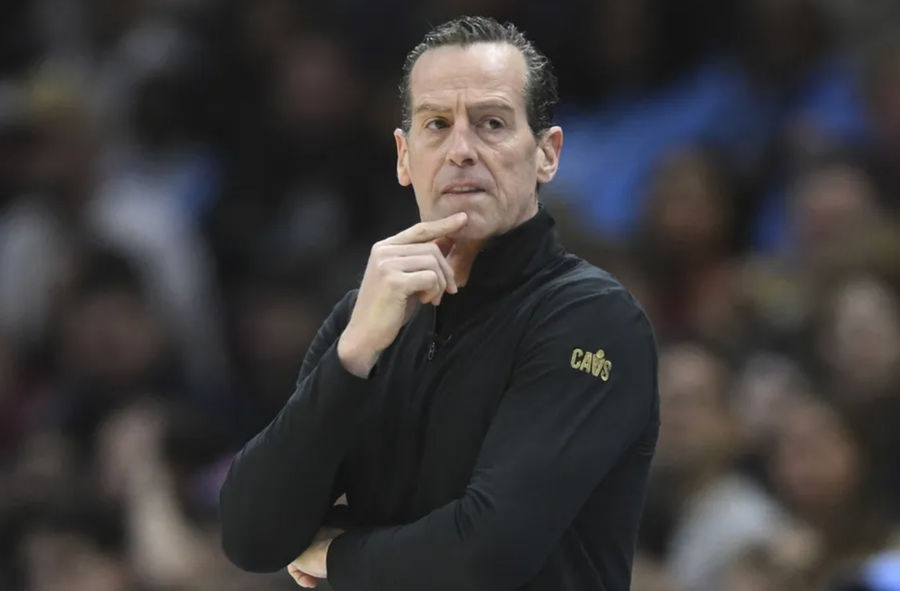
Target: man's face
[469,147]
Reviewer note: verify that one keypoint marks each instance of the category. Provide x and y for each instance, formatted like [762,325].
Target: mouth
[462,189]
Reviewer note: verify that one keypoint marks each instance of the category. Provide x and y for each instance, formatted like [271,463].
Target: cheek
[516,172]
[423,170]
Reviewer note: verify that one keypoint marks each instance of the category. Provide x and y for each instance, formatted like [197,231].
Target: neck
[462,253]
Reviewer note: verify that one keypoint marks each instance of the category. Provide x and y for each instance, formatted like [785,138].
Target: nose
[461,149]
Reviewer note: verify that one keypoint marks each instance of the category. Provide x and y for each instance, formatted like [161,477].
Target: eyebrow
[491,105]
[431,108]
[479,106]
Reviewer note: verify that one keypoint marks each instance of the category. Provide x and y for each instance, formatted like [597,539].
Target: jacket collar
[503,263]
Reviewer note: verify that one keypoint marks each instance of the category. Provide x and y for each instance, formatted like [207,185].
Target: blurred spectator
[110,348]
[821,471]
[716,512]
[276,320]
[859,341]
[68,206]
[781,563]
[858,351]
[831,204]
[150,206]
[883,89]
[765,383]
[36,245]
[169,511]
[772,81]
[836,222]
[75,544]
[686,251]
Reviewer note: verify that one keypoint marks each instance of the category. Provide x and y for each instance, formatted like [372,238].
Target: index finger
[426,231]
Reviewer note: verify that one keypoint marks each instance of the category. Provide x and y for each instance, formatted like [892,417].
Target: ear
[402,158]
[549,147]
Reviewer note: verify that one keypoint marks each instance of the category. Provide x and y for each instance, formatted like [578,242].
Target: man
[486,401]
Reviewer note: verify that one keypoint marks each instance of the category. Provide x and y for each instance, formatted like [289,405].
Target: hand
[313,563]
[404,270]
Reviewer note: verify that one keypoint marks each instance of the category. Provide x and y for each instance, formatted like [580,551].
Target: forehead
[479,70]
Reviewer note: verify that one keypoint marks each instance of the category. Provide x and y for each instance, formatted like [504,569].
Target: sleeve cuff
[331,370]
[344,562]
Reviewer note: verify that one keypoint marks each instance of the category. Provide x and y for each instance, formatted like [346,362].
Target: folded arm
[562,425]
[282,483]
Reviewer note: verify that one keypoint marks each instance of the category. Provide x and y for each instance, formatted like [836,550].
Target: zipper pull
[431,349]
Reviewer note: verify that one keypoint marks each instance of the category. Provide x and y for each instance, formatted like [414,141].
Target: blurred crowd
[187,186]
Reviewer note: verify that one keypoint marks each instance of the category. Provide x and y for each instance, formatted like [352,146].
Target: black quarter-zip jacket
[501,442]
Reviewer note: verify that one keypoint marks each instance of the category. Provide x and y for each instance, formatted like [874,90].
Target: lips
[462,189]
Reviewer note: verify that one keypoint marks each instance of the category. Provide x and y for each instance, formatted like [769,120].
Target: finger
[421,282]
[432,298]
[405,250]
[423,262]
[426,231]
[301,578]
[431,249]
[448,271]
[445,245]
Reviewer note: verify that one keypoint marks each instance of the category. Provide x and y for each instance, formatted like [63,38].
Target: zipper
[432,345]
[436,340]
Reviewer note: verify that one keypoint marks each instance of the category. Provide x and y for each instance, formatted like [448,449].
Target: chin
[472,232]
[477,228]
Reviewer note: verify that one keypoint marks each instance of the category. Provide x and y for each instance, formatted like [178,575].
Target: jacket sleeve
[562,425]
[282,483]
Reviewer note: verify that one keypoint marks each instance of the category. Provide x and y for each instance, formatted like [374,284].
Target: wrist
[356,357]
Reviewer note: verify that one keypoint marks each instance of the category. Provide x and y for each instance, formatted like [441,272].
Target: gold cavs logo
[590,362]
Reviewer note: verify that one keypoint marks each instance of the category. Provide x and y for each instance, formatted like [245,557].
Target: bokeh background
[187,186]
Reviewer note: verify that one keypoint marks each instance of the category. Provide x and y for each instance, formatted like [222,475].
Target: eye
[493,123]
[436,124]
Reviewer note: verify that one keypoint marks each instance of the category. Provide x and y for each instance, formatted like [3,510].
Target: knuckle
[383,266]
[394,280]
[376,254]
